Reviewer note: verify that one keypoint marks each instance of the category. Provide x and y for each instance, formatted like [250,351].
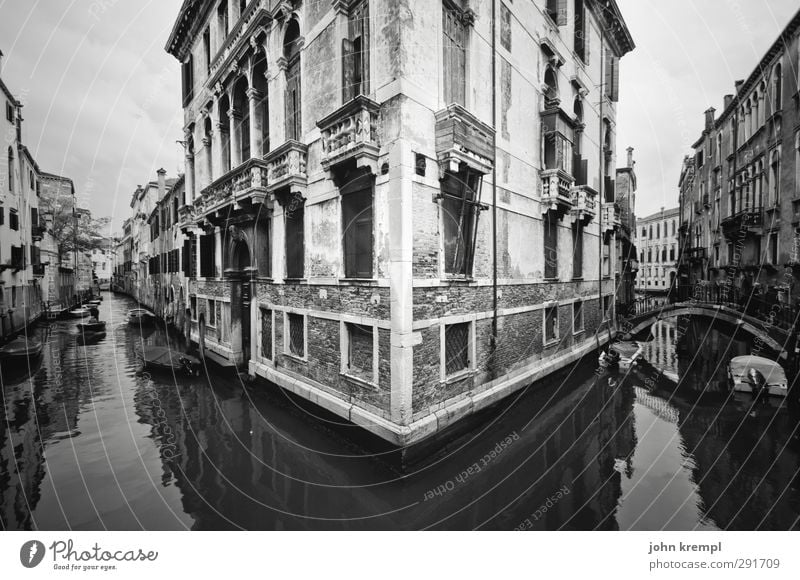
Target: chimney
[738,85]
[728,100]
[710,118]
[630,157]
[162,185]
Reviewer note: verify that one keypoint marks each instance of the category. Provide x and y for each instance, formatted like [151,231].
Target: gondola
[162,358]
[80,312]
[141,317]
[96,326]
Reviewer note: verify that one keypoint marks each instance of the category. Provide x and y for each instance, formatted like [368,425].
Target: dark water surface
[87,441]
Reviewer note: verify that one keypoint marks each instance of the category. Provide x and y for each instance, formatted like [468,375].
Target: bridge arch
[642,322]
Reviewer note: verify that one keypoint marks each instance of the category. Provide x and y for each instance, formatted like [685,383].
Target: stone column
[218,265]
[189,167]
[254,97]
[235,118]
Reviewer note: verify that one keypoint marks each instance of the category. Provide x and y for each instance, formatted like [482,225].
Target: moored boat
[96,326]
[622,354]
[20,349]
[162,358]
[80,312]
[757,375]
[141,316]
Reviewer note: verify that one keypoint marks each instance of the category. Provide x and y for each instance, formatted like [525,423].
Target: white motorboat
[755,374]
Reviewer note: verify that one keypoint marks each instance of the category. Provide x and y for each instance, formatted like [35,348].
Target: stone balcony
[462,138]
[248,181]
[186,215]
[612,221]
[351,133]
[286,167]
[746,222]
[584,203]
[556,191]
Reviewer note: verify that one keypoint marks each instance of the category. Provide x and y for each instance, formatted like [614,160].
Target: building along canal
[88,441]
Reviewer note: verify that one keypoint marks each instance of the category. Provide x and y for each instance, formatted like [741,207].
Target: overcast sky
[102,98]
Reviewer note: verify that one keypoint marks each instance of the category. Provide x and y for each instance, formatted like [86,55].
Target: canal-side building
[740,194]
[657,242]
[378,223]
[21,300]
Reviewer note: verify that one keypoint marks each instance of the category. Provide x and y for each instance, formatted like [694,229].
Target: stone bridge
[772,336]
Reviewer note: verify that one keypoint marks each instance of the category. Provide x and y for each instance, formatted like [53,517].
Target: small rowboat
[80,312]
[622,354]
[20,349]
[141,316]
[96,326]
[162,358]
[757,375]
[95,302]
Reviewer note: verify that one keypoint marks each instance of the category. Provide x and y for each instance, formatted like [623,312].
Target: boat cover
[772,371]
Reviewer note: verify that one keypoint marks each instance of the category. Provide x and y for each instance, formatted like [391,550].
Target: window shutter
[587,34]
[347,70]
[615,79]
[608,76]
[2,215]
[561,15]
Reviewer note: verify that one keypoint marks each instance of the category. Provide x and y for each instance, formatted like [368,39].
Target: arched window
[719,149]
[777,80]
[748,116]
[774,178]
[10,169]
[291,51]
[551,98]
[755,120]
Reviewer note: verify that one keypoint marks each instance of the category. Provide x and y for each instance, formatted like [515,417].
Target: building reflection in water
[88,441]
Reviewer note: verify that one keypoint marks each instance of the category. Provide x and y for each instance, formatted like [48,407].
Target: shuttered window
[550,246]
[357,224]
[612,76]
[266,333]
[455,56]
[207,256]
[551,324]
[295,242]
[460,209]
[557,11]
[355,53]
[291,51]
[577,250]
[581,31]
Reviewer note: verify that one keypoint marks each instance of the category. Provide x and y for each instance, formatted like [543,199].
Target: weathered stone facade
[390,229]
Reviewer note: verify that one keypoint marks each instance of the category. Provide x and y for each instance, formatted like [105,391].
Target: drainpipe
[494,181]
[602,194]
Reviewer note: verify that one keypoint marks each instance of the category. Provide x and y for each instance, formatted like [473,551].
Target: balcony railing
[747,221]
[286,166]
[463,138]
[186,214]
[556,196]
[696,254]
[584,203]
[249,180]
[351,132]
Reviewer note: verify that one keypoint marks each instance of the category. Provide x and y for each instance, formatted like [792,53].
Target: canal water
[88,442]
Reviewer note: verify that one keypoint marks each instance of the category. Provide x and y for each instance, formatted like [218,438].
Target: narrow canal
[88,441]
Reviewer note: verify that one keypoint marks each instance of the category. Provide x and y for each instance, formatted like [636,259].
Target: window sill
[459,376]
[578,332]
[577,278]
[295,280]
[358,381]
[358,281]
[552,279]
[295,358]
[552,342]
[454,279]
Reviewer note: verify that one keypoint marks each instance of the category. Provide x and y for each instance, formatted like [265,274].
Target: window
[9,112]
[10,169]
[773,249]
[577,317]
[672,254]
[778,87]
[455,55]
[207,49]
[193,307]
[187,80]
[456,347]
[291,52]
[612,76]
[355,52]
[297,334]
[295,241]
[357,199]
[557,11]
[222,20]
[577,250]
[360,348]
[644,233]
[699,157]
[606,258]
[581,32]
[190,258]
[460,206]
[774,179]
[550,224]
[266,333]
[207,256]
[550,324]
[13,219]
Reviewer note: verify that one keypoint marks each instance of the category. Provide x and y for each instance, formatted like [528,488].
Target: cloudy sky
[102,97]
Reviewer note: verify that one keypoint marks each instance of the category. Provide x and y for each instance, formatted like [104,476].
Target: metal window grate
[266,334]
[296,335]
[456,337]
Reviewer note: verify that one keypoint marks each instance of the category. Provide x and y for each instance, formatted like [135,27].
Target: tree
[73,229]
